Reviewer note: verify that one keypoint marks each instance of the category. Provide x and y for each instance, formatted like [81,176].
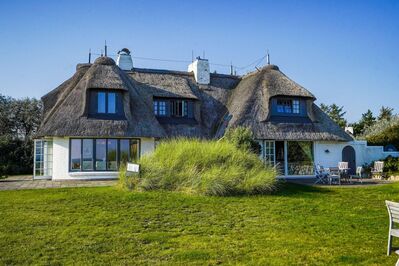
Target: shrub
[204,167]
[242,138]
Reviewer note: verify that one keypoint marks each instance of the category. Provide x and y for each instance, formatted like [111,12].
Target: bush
[390,135]
[203,167]
[242,138]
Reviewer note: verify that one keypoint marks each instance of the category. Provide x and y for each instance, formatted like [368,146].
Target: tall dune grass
[203,167]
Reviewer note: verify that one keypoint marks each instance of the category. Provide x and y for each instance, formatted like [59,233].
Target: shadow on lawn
[291,189]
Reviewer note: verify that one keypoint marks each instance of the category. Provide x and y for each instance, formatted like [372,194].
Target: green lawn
[300,225]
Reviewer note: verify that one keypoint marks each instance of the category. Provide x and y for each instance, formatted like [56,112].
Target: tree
[19,120]
[336,113]
[366,121]
[385,113]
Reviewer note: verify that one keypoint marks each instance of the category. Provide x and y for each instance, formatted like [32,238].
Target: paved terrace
[27,182]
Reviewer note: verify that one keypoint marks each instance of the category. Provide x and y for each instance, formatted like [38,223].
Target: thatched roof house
[106,104]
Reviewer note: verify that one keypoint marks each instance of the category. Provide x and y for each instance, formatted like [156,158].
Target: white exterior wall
[147,145]
[364,153]
[61,161]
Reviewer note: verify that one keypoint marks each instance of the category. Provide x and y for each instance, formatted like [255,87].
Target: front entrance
[349,155]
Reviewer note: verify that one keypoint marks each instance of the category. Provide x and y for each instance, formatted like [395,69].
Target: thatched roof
[177,84]
[249,106]
[228,101]
[66,107]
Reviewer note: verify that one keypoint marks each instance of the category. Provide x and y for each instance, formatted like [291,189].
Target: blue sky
[344,52]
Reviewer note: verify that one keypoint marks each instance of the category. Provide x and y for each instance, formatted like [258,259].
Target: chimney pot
[124,60]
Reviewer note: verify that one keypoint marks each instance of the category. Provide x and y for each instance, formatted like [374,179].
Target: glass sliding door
[95,154]
[300,158]
[101,154]
[112,160]
[76,154]
[280,157]
[124,151]
[87,155]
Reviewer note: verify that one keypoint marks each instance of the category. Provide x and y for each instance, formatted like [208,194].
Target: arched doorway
[349,155]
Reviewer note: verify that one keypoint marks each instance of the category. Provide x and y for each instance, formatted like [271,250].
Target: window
[300,157]
[269,152]
[295,106]
[101,103]
[102,154]
[159,108]
[76,154]
[106,104]
[179,108]
[284,106]
[87,154]
[111,103]
[112,163]
[287,106]
[174,108]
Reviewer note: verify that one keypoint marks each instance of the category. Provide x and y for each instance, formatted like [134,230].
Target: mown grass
[96,226]
[202,167]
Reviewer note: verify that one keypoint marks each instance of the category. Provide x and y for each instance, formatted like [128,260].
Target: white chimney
[124,60]
[349,130]
[200,67]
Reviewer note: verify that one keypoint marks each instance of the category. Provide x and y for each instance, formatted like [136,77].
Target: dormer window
[289,110]
[174,108]
[106,104]
[288,106]
[159,108]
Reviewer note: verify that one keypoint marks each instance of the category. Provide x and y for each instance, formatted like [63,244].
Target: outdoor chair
[343,170]
[393,211]
[358,175]
[333,176]
[321,175]
[378,170]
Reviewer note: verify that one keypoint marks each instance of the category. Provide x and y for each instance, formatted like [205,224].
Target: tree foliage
[365,122]
[19,120]
[336,113]
[242,138]
[386,113]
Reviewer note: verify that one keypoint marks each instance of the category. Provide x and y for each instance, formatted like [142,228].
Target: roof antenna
[101,53]
[192,56]
[105,46]
[268,57]
[203,54]
[231,68]
[89,56]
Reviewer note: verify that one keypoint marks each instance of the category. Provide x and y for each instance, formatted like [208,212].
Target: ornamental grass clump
[203,167]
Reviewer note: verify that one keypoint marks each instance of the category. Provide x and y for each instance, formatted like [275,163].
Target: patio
[27,182]
[355,183]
